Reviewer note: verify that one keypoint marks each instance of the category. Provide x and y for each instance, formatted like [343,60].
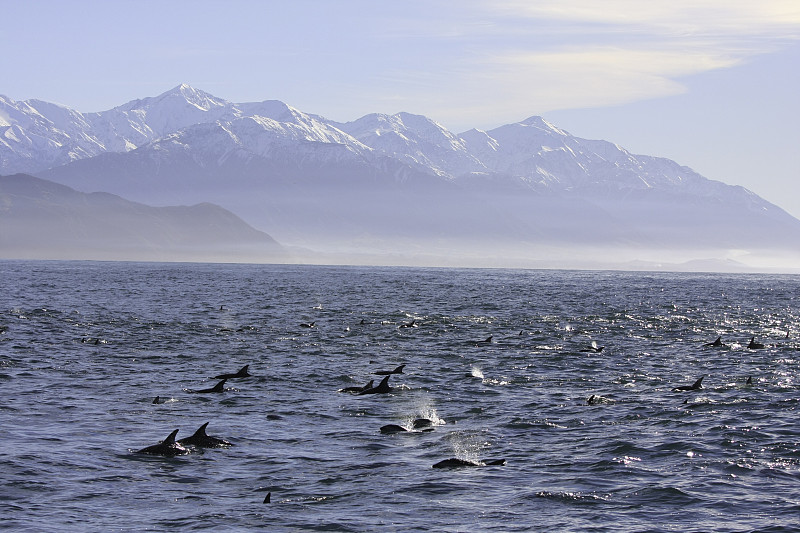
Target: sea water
[499,361]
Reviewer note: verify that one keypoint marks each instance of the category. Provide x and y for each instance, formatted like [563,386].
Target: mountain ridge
[393,182]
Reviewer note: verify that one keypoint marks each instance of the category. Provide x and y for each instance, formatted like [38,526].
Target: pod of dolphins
[170,447]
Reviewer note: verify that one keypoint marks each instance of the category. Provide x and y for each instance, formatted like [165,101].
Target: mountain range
[400,186]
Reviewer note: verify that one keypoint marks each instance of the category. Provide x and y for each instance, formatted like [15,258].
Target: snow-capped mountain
[39,135]
[417,141]
[389,182]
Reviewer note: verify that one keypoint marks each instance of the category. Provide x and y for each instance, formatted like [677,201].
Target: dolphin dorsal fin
[384,381]
[169,441]
[370,384]
[219,385]
[244,369]
[698,383]
[201,432]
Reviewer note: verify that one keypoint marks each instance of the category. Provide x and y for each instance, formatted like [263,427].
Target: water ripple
[86,347]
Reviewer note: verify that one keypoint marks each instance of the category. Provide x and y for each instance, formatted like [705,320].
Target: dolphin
[201,440]
[717,342]
[398,370]
[219,387]
[242,373]
[389,429]
[457,463]
[168,447]
[596,399]
[355,390]
[420,423]
[593,348]
[412,324]
[157,400]
[694,386]
[382,387]
[755,345]
[268,497]
[308,325]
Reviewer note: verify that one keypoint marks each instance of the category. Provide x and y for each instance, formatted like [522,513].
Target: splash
[425,410]
[467,446]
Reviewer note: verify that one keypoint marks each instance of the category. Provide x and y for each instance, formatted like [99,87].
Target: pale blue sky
[714,85]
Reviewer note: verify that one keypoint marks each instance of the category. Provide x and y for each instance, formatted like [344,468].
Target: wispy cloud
[734,18]
[511,55]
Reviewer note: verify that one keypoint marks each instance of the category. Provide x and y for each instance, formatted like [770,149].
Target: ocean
[500,362]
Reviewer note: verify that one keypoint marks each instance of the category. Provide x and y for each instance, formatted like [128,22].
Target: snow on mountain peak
[176,98]
[416,140]
[9,114]
[144,120]
[273,109]
[405,125]
[201,100]
[60,116]
[541,124]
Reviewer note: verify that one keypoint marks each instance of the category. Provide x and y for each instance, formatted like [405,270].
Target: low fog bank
[455,226]
[441,253]
[568,257]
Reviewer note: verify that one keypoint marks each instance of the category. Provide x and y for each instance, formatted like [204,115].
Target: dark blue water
[86,347]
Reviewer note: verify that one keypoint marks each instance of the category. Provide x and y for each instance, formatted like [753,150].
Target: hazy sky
[712,84]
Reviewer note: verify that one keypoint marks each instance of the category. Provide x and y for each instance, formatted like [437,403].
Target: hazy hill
[42,219]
